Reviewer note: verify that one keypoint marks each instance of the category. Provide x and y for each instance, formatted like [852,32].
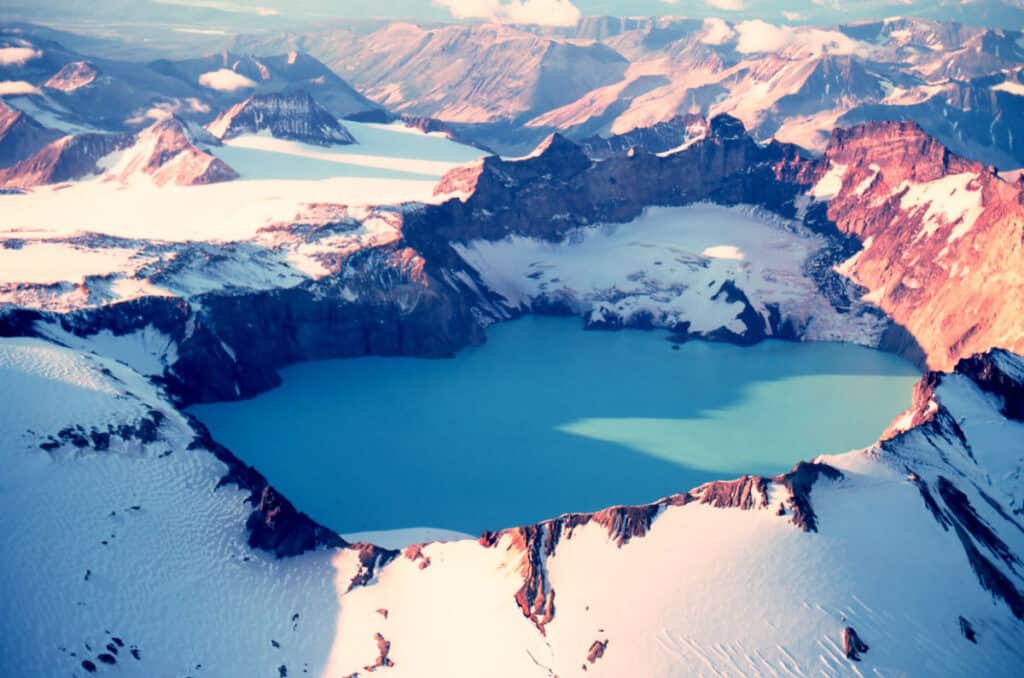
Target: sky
[243,15]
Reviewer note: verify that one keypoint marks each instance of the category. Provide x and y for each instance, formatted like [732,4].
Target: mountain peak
[72,76]
[293,114]
[567,157]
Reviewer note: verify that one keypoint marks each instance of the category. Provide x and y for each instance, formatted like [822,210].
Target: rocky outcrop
[383,649]
[596,651]
[21,136]
[853,646]
[286,115]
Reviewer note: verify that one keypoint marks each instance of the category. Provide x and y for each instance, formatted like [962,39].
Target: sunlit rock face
[292,115]
[941,238]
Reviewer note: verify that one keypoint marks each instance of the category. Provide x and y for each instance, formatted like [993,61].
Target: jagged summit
[286,115]
[164,151]
[21,136]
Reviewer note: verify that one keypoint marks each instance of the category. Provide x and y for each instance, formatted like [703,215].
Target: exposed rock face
[166,152]
[943,238]
[274,524]
[287,115]
[66,159]
[162,151]
[21,136]
[72,76]
[853,646]
[558,188]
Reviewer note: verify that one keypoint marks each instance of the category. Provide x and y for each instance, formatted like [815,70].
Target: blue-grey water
[546,418]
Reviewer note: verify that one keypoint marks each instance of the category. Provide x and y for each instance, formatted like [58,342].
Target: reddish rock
[596,650]
[383,648]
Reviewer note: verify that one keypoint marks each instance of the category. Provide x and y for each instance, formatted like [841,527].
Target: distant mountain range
[70,91]
[962,84]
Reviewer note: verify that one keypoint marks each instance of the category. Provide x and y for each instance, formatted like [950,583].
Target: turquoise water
[546,418]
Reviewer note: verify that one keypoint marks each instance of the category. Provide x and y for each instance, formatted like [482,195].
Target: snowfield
[134,536]
[279,178]
[670,264]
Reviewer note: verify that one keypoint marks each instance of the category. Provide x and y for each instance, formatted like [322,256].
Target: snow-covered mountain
[961,84]
[472,74]
[21,136]
[69,91]
[288,115]
[164,153]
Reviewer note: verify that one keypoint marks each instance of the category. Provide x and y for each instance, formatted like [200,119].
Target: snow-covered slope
[123,551]
[907,547]
[712,270]
[819,570]
[163,153]
[21,136]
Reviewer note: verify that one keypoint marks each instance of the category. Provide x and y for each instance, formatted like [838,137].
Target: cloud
[541,12]
[792,16]
[758,37]
[225,80]
[15,56]
[727,5]
[16,87]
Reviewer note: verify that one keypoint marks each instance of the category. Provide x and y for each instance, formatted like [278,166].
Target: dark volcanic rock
[559,188]
[853,646]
